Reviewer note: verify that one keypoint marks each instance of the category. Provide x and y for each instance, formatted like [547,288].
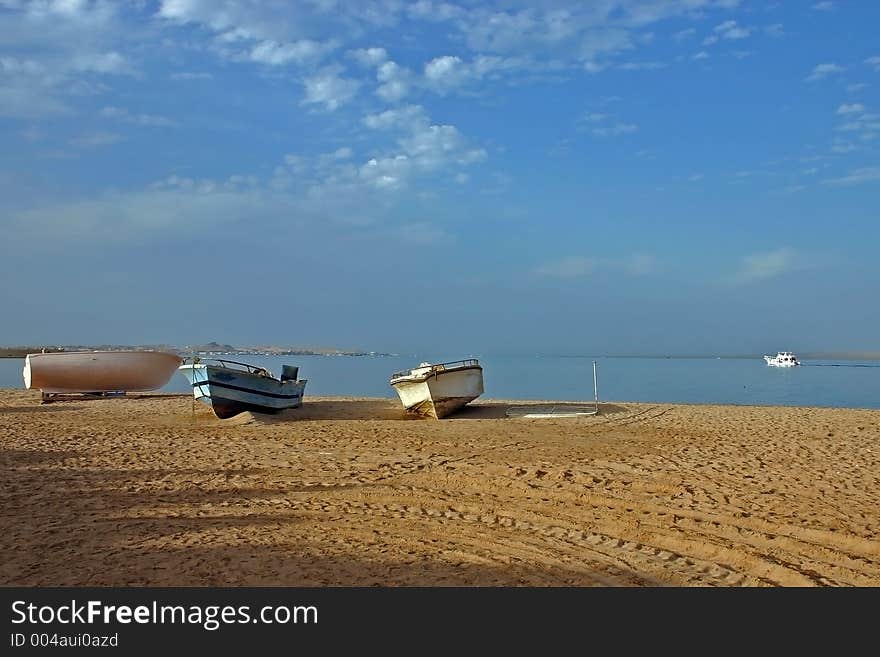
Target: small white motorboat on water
[230,387]
[438,389]
[782,359]
[98,372]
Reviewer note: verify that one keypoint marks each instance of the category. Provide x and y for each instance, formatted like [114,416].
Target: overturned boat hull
[230,391]
[438,390]
[86,372]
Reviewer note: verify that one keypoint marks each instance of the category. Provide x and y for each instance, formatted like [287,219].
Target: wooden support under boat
[49,397]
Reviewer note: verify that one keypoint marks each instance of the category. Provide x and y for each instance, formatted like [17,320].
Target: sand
[154,490]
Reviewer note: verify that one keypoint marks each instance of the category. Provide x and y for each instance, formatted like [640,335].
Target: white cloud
[864,124]
[370,56]
[584,34]
[568,267]
[409,117]
[853,108]
[874,61]
[68,45]
[190,75]
[28,89]
[86,88]
[274,53]
[616,129]
[471,156]
[856,177]
[318,190]
[329,89]
[14,66]
[641,66]
[105,62]
[700,55]
[767,265]
[388,173]
[434,145]
[606,126]
[123,115]
[421,147]
[445,73]
[95,139]
[684,34]
[539,38]
[595,117]
[434,11]
[842,147]
[120,217]
[821,71]
[823,6]
[729,30]
[448,73]
[22,101]
[394,81]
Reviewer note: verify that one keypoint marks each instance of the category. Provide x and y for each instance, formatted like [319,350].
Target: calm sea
[851,384]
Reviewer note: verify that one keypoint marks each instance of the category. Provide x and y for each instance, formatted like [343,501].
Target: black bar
[376,618]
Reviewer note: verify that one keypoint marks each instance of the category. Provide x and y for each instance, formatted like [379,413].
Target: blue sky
[614,176]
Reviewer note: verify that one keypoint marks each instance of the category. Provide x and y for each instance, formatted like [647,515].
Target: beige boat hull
[440,408]
[99,371]
[440,394]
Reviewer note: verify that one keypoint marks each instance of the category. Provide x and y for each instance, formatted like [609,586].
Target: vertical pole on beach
[193,407]
[595,387]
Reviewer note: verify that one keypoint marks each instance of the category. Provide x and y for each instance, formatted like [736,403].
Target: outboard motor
[289,373]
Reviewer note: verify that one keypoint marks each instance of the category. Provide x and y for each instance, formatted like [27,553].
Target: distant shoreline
[21,352]
[228,350]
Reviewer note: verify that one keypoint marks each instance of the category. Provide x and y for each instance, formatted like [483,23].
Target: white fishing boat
[782,359]
[230,387]
[98,372]
[438,389]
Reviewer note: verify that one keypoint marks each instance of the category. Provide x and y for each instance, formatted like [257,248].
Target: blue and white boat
[230,387]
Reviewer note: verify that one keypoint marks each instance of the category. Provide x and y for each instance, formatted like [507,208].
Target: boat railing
[232,364]
[441,367]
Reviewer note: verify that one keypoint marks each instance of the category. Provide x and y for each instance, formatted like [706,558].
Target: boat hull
[230,392]
[99,371]
[440,394]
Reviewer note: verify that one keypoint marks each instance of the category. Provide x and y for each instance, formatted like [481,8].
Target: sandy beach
[154,490]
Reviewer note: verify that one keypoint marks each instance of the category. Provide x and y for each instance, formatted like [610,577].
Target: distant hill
[211,346]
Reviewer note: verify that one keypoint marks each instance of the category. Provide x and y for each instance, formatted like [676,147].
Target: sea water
[848,384]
